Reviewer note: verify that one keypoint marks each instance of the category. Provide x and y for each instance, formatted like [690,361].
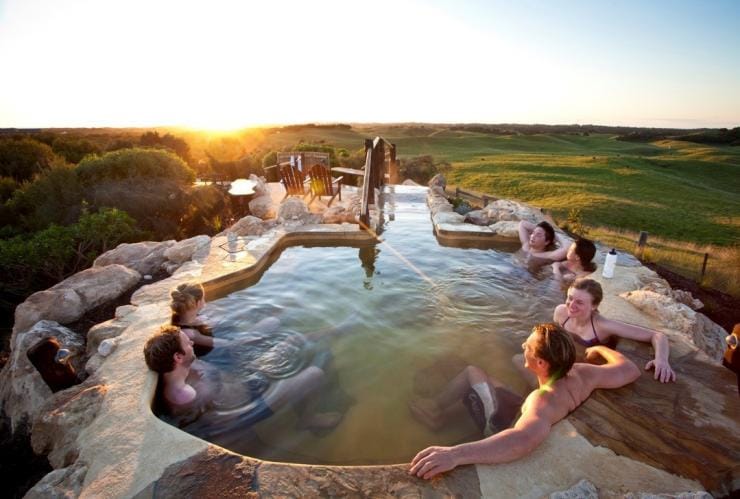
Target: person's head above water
[551,348]
[166,348]
[583,251]
[542,236]
[590,287]
[185,297]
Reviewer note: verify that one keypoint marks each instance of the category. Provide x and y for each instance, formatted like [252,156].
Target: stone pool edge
[126,451]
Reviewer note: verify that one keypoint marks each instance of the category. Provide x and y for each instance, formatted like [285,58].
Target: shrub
[134,163]
[23,158]
[8,185]
[421,169]
[73,150]
[54,197]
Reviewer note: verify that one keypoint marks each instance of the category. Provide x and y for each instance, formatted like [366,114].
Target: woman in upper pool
[577,261]
[581,318]
[539,241]
[188,299]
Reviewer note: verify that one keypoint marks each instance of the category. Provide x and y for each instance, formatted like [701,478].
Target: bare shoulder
[559,313]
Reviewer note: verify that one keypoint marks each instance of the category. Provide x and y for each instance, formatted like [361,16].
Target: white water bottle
[609,264]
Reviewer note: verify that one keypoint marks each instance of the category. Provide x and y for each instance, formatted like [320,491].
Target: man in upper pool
[549,353]
[539,241]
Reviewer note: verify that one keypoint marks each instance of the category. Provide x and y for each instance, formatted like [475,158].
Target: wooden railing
[376,173]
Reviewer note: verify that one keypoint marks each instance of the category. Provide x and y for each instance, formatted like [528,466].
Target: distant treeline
[721,136]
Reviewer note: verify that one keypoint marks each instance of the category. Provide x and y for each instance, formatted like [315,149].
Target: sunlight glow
[228,64]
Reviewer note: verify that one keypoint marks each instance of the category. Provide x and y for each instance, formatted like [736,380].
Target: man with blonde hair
[549,353]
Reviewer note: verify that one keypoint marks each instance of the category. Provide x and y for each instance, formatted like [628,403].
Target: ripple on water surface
[408,314]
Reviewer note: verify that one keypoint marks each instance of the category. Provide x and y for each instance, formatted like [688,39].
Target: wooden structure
[322,183]
[293,181]
[380,164]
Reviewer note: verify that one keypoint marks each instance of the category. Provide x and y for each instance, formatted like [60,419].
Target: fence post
[641,242]
[485,200]
[457,192]
[704,268]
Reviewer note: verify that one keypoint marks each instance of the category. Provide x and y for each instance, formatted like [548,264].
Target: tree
[73,150]
[23,158]
[134,163]
[168,141]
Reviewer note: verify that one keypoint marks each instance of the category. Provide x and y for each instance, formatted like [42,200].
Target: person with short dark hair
[541,241]
[578,261]
[580,316]
[192,388]
[563,385]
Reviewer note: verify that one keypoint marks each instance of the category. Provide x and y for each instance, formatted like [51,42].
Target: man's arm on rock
[617,372]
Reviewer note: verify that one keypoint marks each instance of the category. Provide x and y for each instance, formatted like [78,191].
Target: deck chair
[323,185]
[293,181]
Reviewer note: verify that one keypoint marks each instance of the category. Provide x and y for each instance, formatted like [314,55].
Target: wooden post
[641,243]
[485,200]
[457,192]
[703,268]
[393,173]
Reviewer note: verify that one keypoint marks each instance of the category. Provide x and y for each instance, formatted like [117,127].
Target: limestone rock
[438,181]
[505,210]
[705,334]
[23,391]
[64,483]
[260,188]
[262,207]
[292,209]
[184,250]
[661,286]
[338,215]
[477,217]
[506,229]
[408,181]
[103,331]
[624,259]
[59,305]
[448,217]
[98,285]
[145,257]
[247,226]
[171,267]
[582,490]
[59,422]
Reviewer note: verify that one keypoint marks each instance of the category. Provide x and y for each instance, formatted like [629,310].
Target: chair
[322,184]
[293,181]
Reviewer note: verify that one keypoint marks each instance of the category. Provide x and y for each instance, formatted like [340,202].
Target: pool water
[412,314]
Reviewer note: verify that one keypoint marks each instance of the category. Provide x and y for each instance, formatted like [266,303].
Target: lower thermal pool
[400,318]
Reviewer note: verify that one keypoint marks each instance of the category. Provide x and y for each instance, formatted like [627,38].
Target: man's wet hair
[161,347]
[555,345]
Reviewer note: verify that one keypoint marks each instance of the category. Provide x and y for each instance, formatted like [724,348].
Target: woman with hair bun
[578,261]
[187,299]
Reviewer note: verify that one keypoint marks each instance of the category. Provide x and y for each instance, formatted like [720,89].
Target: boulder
[505,210]
[292,209]
[59,305]
[624,259]
[408,181]
[184,250]
[678,317]
[247,226]
[438,181]
[103,331]
[63,483]
[56,427]
[505,229]
[338,215]
[145,257]
[98,285]
[477,217]
[260,188]
[447,217]
[23,391]
[262,207]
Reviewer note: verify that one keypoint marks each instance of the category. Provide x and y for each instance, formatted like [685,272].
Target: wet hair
[591,287]
[586,250]
[555,346]
[549,232]
[161,347]
[184,297]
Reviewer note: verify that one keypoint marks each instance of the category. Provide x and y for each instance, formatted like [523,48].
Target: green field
[678,190]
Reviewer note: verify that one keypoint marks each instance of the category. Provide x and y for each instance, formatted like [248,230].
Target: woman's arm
[525,230]
[663,371]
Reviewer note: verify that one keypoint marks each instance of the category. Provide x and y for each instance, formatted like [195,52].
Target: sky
[226,64]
